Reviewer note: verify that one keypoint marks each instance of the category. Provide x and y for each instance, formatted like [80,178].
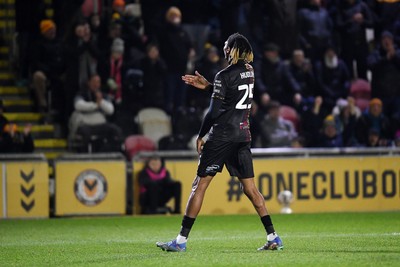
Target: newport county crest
[90,187]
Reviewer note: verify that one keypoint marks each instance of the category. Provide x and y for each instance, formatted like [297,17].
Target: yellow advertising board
[2,191]
[329,184]
[27,189]
[90,187]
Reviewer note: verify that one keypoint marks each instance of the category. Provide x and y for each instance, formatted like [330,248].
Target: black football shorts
[236,156]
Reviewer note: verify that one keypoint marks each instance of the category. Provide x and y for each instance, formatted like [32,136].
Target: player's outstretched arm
[196,80]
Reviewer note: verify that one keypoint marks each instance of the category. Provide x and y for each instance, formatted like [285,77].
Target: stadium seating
[290,114]
[137,143]
[361,91]
[154,123]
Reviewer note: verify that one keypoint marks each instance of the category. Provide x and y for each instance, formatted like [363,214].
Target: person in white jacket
[89,118]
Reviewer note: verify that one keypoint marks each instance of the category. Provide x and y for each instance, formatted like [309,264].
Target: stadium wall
[24,188]
[327,184]
[101,184]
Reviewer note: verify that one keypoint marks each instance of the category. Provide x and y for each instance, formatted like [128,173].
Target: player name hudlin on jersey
[247,74]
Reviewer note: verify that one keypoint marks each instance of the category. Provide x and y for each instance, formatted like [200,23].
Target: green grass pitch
[332,239]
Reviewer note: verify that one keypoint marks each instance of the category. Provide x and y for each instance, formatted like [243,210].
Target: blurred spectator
[349,102]
[297,142]
[113,31]
[333,78]
[282,25]
[27,18]
[256,116]
[132,27]
[374,140]
[275,131]
[157,188]
[311,122]
[81,60]
[396,142]
[176,49]
[315,28]
[65,13]
[270,77]
[154,70]
[3,119]
[118,8]
[113,70]
[95,27]
[208,65]
[387,11]
[354,17]
[345,122]
[196,22]
[48,64]
[12,140]
[385,66]
[153,15]
[373,118]
[89,118]
[329,136]
[300,80]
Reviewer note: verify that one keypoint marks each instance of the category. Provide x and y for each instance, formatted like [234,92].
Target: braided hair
[240,48]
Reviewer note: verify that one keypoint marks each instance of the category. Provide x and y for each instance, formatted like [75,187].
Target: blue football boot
[172,246]
[275,244]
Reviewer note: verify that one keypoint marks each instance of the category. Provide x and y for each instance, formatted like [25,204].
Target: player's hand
[199,144]
[196,80]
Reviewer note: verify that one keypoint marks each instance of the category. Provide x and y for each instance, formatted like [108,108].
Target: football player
[228,143]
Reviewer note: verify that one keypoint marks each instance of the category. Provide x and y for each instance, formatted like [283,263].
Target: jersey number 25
[247,94]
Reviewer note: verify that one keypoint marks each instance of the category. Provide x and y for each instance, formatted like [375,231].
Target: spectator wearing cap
[384,63]
[270,73]
[48,64]
[373,118]
[176,49]
[329,136]
[131,28]
[118,7]
[275,131]
[333,78]
[113,70]
[353,18]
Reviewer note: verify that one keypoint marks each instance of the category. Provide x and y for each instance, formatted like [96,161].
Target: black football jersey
[234,86]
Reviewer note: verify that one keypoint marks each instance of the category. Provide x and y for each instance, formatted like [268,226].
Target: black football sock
[187,224]
[267,222]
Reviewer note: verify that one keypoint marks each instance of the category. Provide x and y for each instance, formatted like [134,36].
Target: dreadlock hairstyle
[240,48]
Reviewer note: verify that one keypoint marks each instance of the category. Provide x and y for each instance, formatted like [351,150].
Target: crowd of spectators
[307,53]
